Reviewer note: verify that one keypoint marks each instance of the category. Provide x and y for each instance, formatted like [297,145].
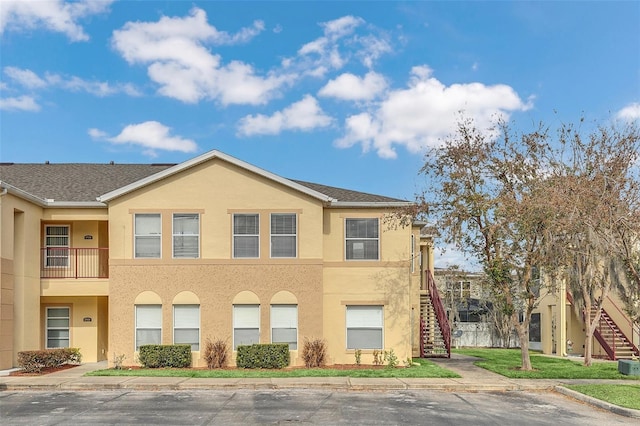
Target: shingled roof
[84,182]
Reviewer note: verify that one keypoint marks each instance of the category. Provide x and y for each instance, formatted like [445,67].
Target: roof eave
[23,194]
[201,159]
[371,204]
[76,204]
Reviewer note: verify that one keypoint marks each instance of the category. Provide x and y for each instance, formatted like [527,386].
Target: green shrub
[271,355]
[358,354]
[390,358]
[314,352]
[158,356]
[216,353]
[35,361]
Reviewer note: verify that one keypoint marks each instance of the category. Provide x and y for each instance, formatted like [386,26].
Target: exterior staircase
[612,339]
[435,332]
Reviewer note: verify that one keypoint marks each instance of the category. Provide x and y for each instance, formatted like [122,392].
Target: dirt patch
[44,371]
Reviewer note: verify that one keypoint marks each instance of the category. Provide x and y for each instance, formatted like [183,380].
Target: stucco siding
[215,286]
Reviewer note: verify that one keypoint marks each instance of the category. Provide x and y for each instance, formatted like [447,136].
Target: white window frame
[276,236]
[57,328]
[237,236]
[284,317]
[358,319]
[457,289]
[147,326]
[413,253]
[183,235]
[52,251]
[242,322]
[191,321]
[155,236]
[360,240]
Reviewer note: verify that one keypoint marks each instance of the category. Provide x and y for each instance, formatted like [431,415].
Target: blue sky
[347,94]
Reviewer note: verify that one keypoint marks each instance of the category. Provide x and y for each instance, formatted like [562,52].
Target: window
[148,325]
[57,328]
[148,235]
[186,325]
[364,327]
[361,239]
[283,235]
[246,325]
[246,235]
[56,241]
[186,235]
[460,289]
[284,325]
[413,253]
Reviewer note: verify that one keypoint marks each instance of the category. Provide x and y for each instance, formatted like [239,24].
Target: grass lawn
[623,395]
[507,363]
[426,369]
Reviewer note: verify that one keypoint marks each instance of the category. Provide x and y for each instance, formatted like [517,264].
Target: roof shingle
[84,182]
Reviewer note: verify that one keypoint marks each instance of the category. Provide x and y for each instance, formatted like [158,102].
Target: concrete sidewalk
[473,379]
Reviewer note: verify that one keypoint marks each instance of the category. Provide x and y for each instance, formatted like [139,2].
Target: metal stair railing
[441,315]
[610,325]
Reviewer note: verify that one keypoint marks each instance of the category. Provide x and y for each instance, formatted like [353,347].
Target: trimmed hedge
[158,356]
[35,361]
[269,355]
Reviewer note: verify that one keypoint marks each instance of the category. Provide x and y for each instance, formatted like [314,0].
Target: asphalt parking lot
[242,407]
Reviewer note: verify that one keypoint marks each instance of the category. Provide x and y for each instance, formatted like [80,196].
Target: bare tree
[593,183]
[484,192]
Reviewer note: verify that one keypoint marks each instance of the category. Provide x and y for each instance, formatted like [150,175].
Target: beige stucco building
[107,257]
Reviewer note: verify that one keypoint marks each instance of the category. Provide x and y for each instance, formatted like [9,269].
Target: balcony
[66,262]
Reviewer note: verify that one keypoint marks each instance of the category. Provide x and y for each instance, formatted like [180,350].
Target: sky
[347,93]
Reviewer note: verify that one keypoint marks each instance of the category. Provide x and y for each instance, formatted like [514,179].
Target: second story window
[283,235]
[246,235]
[186,235]
[361,239]
[56,241]
[147,235]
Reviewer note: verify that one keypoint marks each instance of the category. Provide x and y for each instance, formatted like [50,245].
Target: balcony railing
[66,262]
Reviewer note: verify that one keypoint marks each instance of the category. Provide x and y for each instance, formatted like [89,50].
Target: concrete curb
[336,384]
[616,409]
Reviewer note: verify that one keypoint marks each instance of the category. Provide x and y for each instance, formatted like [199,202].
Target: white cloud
[447,255]
[629,113]
[179,61]
[31,80]
[24,77]
[353,88]
[425,112]
[372,48]
[150,135]
[342,26]
[97,133]
[20,103]
[98,88]
[304,115]
[338,44]
[54,15]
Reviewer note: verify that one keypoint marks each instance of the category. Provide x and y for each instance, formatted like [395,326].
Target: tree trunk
[523,335]
[590,327]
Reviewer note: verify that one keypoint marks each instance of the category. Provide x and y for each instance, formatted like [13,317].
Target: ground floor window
[246,325]
[58,328]
[364,327]
[148,325]
[284,325]
[186,325]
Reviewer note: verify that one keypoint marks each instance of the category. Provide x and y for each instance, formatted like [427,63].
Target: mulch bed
[44,370]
